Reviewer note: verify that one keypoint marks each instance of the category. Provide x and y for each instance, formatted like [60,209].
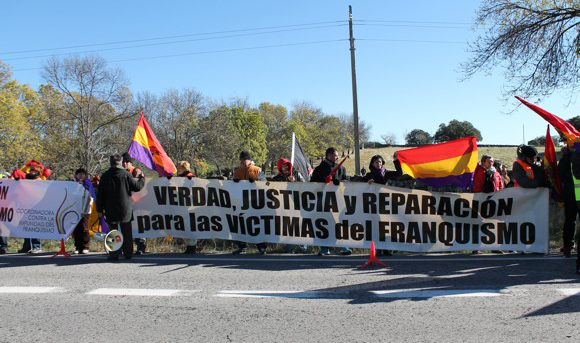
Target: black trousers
[243,245]
[127,231]
[31,243]
[571,211]
[81,234]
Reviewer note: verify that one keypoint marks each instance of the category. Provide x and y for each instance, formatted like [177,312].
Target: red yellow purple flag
[440,165]
[565,128]
[147,149]
[551,168]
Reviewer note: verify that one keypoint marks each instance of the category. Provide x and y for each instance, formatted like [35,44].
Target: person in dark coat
[140,243]
[319,175]
[115,204]
[570,207]
[378,174]
[526,173]
[326,166]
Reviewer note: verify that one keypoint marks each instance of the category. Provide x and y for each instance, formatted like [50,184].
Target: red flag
[568,130]
[551,168]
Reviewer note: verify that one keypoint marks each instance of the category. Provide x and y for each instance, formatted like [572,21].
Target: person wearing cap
[115,204]
[526,173]
[184,170]
[128,161]
[250,172]
[286,173]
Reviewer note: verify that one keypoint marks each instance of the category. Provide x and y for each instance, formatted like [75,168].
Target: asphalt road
[299,298]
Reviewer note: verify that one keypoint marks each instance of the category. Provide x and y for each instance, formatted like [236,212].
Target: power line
[213,51]
[414,22]
[171,37]
[409,41]
[167,43]
[417,26]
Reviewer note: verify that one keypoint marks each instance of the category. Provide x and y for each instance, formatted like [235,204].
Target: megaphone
[113,240]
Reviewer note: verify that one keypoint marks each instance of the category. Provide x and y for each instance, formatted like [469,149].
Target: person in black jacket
[526,173]
[115,204]
[377,172]
[319,175]
[570,206]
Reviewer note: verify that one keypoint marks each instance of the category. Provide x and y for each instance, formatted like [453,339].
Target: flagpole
[293,149]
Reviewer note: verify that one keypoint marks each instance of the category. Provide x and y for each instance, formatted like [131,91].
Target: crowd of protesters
[116,185]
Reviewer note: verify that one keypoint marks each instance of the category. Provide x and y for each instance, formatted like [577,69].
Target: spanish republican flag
[565,128]
[147,149]
[440,165]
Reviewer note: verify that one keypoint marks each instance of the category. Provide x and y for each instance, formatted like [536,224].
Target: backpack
[488,183]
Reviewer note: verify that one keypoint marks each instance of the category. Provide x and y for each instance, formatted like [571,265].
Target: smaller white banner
[40,209]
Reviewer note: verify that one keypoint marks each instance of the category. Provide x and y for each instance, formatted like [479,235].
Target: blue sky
[408,55]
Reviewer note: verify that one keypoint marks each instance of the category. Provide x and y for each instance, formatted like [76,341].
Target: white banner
[348,215]
[39,209]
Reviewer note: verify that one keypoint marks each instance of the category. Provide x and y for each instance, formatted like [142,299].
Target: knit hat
[245,155]
[127,158]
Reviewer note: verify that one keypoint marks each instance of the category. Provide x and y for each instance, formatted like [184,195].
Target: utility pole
[354,97]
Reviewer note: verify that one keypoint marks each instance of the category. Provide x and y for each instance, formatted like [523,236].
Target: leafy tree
[418,137]
[250,128]
[20,118]
[95,97]
[537,41]
[455,130]
[541,140]
[279,133]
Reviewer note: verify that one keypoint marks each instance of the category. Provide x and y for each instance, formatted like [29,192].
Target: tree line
[85,111]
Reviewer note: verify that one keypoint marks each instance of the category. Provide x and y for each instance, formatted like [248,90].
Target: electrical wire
[213,51]
[170,37]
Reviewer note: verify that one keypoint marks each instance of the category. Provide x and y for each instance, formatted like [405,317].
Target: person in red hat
[33,170]
[286,173]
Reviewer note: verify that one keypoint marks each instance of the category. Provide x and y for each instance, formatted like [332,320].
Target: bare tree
[96,97]
[389,138]
[538,43]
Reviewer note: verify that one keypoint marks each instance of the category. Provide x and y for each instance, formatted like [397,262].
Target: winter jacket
[281,177]
[324,169]
[389,175]
[114,197]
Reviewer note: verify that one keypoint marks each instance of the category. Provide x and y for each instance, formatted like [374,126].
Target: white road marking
[280,294]
[138,292]
[30,290]
[437,293]
[570,291]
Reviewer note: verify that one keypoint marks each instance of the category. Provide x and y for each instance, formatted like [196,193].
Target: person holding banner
[115,204]
[378,174]
[128,161]
[286,173]
[81,235]
[184,170]
[486,179]
[526,173]
[35,171]
[250,172]
[329,168]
